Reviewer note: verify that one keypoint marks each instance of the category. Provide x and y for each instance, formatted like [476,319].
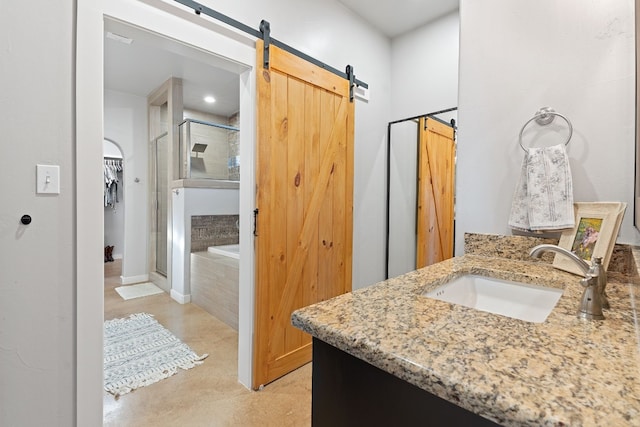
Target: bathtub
[231,251]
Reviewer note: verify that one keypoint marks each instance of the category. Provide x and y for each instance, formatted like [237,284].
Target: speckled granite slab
[564,371]
[518,247]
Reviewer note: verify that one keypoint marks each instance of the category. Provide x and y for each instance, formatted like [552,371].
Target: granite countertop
[565,371]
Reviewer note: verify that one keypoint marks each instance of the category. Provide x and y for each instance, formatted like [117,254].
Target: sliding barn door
[436,168]
[304,201]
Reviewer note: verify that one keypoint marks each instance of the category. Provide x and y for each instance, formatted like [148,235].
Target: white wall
[37,262]
[125,122]
[403,172]
[518,56]
[424,68]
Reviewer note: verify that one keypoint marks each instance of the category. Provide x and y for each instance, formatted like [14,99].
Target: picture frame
[594,235]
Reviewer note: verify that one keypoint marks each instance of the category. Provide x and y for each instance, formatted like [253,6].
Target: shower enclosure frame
[185,148]
[160,195]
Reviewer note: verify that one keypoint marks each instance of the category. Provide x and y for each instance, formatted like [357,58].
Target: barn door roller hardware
[265,29]
[265,34]
[352,80]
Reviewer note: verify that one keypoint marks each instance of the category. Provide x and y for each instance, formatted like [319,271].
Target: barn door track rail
[264,33]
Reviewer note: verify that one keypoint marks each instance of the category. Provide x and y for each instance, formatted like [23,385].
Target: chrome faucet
[594,281]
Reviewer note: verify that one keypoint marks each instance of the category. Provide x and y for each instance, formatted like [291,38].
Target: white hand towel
[544,195]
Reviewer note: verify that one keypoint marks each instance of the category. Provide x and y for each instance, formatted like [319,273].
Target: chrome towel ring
[543,117]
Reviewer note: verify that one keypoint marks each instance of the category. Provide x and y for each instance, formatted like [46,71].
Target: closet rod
[215,125]
[198,9]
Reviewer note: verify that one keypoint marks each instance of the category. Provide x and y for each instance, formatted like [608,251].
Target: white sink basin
[522,301]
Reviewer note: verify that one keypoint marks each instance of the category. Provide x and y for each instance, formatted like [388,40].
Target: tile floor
[209,394]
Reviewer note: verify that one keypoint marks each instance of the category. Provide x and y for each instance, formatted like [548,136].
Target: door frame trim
[174,22]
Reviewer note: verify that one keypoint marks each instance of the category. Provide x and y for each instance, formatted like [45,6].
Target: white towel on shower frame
[544,194]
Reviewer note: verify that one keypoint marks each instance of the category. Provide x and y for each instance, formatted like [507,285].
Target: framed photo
[594,234]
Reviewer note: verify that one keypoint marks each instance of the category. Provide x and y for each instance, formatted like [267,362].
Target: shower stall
[209,151]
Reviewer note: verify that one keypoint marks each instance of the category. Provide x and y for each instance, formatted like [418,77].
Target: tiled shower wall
[212,163]
[213,230]
[220,160]
[234,148]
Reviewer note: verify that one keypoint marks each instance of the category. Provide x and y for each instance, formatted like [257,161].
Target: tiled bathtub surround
[565,371]
[215,286]
[213,230]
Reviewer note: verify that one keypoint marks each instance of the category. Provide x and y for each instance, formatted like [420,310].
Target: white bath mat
[137,291]
[138,351]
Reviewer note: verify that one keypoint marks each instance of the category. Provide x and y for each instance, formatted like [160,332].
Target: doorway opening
[163,227]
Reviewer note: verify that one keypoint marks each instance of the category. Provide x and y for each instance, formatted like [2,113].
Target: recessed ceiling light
[209,99]
[119,38]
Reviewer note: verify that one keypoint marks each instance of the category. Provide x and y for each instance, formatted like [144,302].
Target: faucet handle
[589,280]
[597,269]
[597,259]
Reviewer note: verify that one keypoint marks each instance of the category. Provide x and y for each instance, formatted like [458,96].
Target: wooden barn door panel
[436,168]
[304,198]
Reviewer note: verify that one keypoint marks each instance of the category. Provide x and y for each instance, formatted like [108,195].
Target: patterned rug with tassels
[139,351]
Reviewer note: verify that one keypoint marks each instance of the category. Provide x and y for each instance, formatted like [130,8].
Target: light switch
[47,179]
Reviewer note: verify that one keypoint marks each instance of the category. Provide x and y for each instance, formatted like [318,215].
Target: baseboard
[182,299]
[134,279]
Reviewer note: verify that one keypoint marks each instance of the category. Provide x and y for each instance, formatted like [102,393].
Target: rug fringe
[119,389]
[127,385]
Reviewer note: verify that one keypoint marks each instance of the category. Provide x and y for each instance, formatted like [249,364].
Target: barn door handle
[255,222]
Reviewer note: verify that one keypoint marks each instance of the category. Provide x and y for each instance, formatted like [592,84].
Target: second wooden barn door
[304,200]
[436,168]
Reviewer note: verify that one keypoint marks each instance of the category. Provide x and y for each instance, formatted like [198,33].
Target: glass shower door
[161,190]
